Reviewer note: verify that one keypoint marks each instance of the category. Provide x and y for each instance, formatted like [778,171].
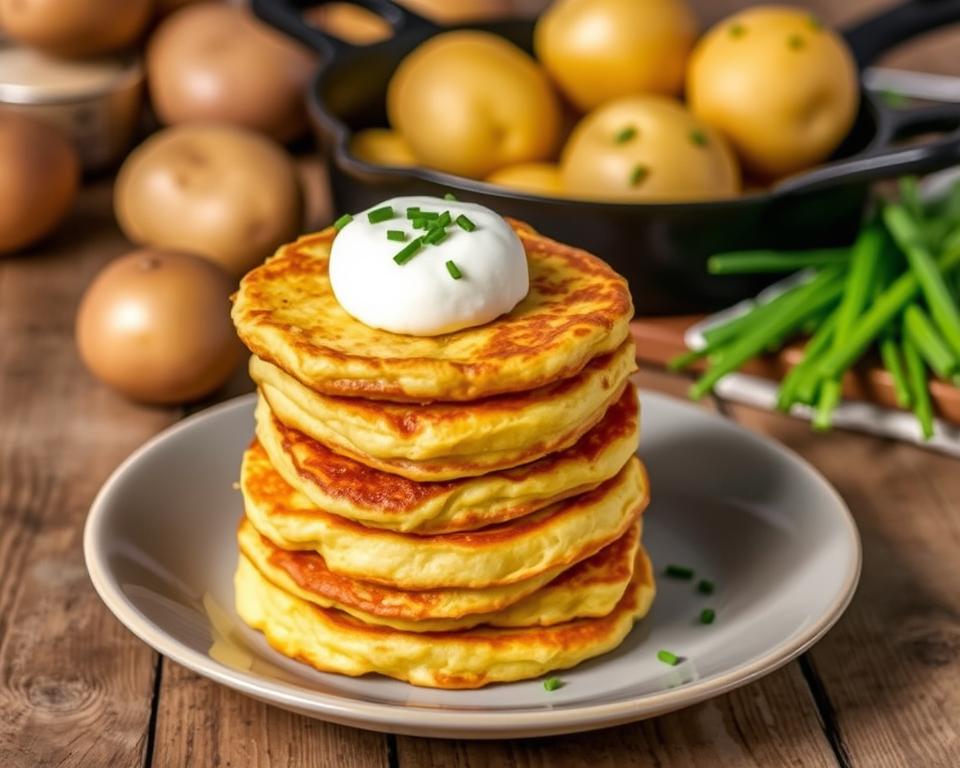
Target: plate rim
[470,723]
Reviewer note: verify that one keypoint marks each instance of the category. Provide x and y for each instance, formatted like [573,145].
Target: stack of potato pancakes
[453,510]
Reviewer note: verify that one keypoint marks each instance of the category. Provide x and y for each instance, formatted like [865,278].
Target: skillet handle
[287,16]
[886,162]
[870,38]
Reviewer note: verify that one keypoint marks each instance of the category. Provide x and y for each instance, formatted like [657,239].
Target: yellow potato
[76,29]
[153,325]
[780,86]
[536,178]
[381,146]
[471,102]
[647,148]
[39,177]
[598,50]
[219,191]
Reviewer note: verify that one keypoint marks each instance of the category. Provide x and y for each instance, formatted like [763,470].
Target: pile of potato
[205,197]
[597,115]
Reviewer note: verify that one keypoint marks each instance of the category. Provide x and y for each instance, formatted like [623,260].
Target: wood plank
[768,724]
[75,687]
[773,722]
[204,724]
[891,666]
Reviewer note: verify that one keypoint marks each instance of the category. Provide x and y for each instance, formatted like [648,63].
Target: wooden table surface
[77,689]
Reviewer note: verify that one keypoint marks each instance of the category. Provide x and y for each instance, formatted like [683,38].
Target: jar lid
[30,77]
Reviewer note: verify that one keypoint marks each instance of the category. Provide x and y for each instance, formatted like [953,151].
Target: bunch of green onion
[895,289]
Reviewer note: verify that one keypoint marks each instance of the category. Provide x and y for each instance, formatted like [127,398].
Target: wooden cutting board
[661,338]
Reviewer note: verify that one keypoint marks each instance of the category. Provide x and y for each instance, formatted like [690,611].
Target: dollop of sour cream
[421,297]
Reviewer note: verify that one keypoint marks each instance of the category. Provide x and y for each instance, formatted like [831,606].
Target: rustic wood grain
[891,667]
[75,687]
[773,722]
[200,723]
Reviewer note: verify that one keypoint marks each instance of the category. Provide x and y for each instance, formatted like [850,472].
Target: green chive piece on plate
[398,236]
[413,212]
[552,683]
[705,587]
[464,223]
[698,137]
[678,572]
[737,30]
[408,251]
[668,658]
[380,214]
[435,236]
[707,615]
[625,134]
[454,270]
[342,221]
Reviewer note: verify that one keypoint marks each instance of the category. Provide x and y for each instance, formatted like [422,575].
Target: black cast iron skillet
[660,247]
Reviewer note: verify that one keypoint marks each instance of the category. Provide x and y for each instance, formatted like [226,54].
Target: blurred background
[152,151]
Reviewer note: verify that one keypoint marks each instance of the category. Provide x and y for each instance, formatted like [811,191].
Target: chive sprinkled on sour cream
[464,223]
[444,266]
[408,251]
[380,214]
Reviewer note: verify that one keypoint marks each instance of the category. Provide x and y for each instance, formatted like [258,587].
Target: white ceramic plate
[747,514]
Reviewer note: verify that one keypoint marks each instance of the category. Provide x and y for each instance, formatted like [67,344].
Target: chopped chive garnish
[698,137]
[678,572]
[795,42]
[707,615]
[449,196]
[413,212]
[342,221]
[705,587]
[737,30]
[435,236]
[668,658]
[552,683]
[398,236]
[380,214]
[638,174]
[419,223]
[444,220]
[464,223]
[893,99]
[429,215]
[408,251]
[454,270]
[625,134]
